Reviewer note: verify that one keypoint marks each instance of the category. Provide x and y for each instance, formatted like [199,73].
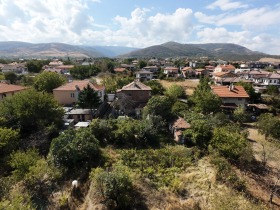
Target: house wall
[137,95]
[8,94]
[66,96]
[69,97]
[237,101]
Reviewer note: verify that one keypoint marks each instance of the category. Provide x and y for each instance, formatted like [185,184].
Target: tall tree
[47,81]
[203,99]
[89,99]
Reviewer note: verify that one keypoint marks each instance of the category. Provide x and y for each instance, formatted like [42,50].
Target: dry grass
[260,144]
[189,84]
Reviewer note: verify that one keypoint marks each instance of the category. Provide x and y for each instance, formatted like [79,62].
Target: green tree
[272,90]
[240,115]
[142,64]
[157,88]
[269,125]
[31,110]
[8,139]
[11,77]
[254,97]
[200,132]
[35,66]
[74,149]
[115,184]
[230,142]
[175,91]
[159,106]
[47,81]
[83,72]
[180,108]
[204,100]
[89,99]
[112,82]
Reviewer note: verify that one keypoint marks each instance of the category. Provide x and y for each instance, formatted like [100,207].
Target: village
[124,114]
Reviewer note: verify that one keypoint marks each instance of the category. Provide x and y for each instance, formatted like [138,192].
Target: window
[239,99]
[72,95]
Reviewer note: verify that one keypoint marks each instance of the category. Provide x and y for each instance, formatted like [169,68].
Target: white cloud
[261,42]
[227,5]
[256,19]
[142,30]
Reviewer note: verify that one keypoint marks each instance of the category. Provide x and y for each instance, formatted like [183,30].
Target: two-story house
[232,96]
[170,71]
[152,69]
[7,90]
[132,97]
[144,75]
[68,94]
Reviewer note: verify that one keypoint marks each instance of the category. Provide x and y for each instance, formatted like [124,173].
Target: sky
[141,23]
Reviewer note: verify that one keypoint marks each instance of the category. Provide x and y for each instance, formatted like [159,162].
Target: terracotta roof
[225,92]
[221,74]
[187,68]
[227,67]
[181,123]
[6,88]
[171,68]
[81,84]
[136,85]
[120,69]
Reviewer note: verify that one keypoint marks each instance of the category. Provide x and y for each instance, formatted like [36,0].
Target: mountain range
[223,51]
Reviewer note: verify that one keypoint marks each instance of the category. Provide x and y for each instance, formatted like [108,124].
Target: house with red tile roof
[133,97]
[232,96]
[68,94]
[218,77]
[224,68]
[170,71]
[9,90]
[120,70]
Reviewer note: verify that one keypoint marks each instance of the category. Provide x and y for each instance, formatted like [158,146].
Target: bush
[22,161]
[230,143]
[74,149]
[114,184]
[226,174]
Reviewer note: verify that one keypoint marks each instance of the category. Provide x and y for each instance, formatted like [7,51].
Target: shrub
[114,184]
[74,148]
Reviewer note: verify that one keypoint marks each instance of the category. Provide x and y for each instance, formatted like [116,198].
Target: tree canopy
[204,100]
[47,81]
[74,148]
[159,106]
[230,143]
[30,110]
[269,125]
[157,88]
[88,98]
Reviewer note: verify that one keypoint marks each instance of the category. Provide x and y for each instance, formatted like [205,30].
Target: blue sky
[142,23]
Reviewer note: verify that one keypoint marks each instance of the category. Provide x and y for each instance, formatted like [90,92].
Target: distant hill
[29,50]
[212,51]
[170,49]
